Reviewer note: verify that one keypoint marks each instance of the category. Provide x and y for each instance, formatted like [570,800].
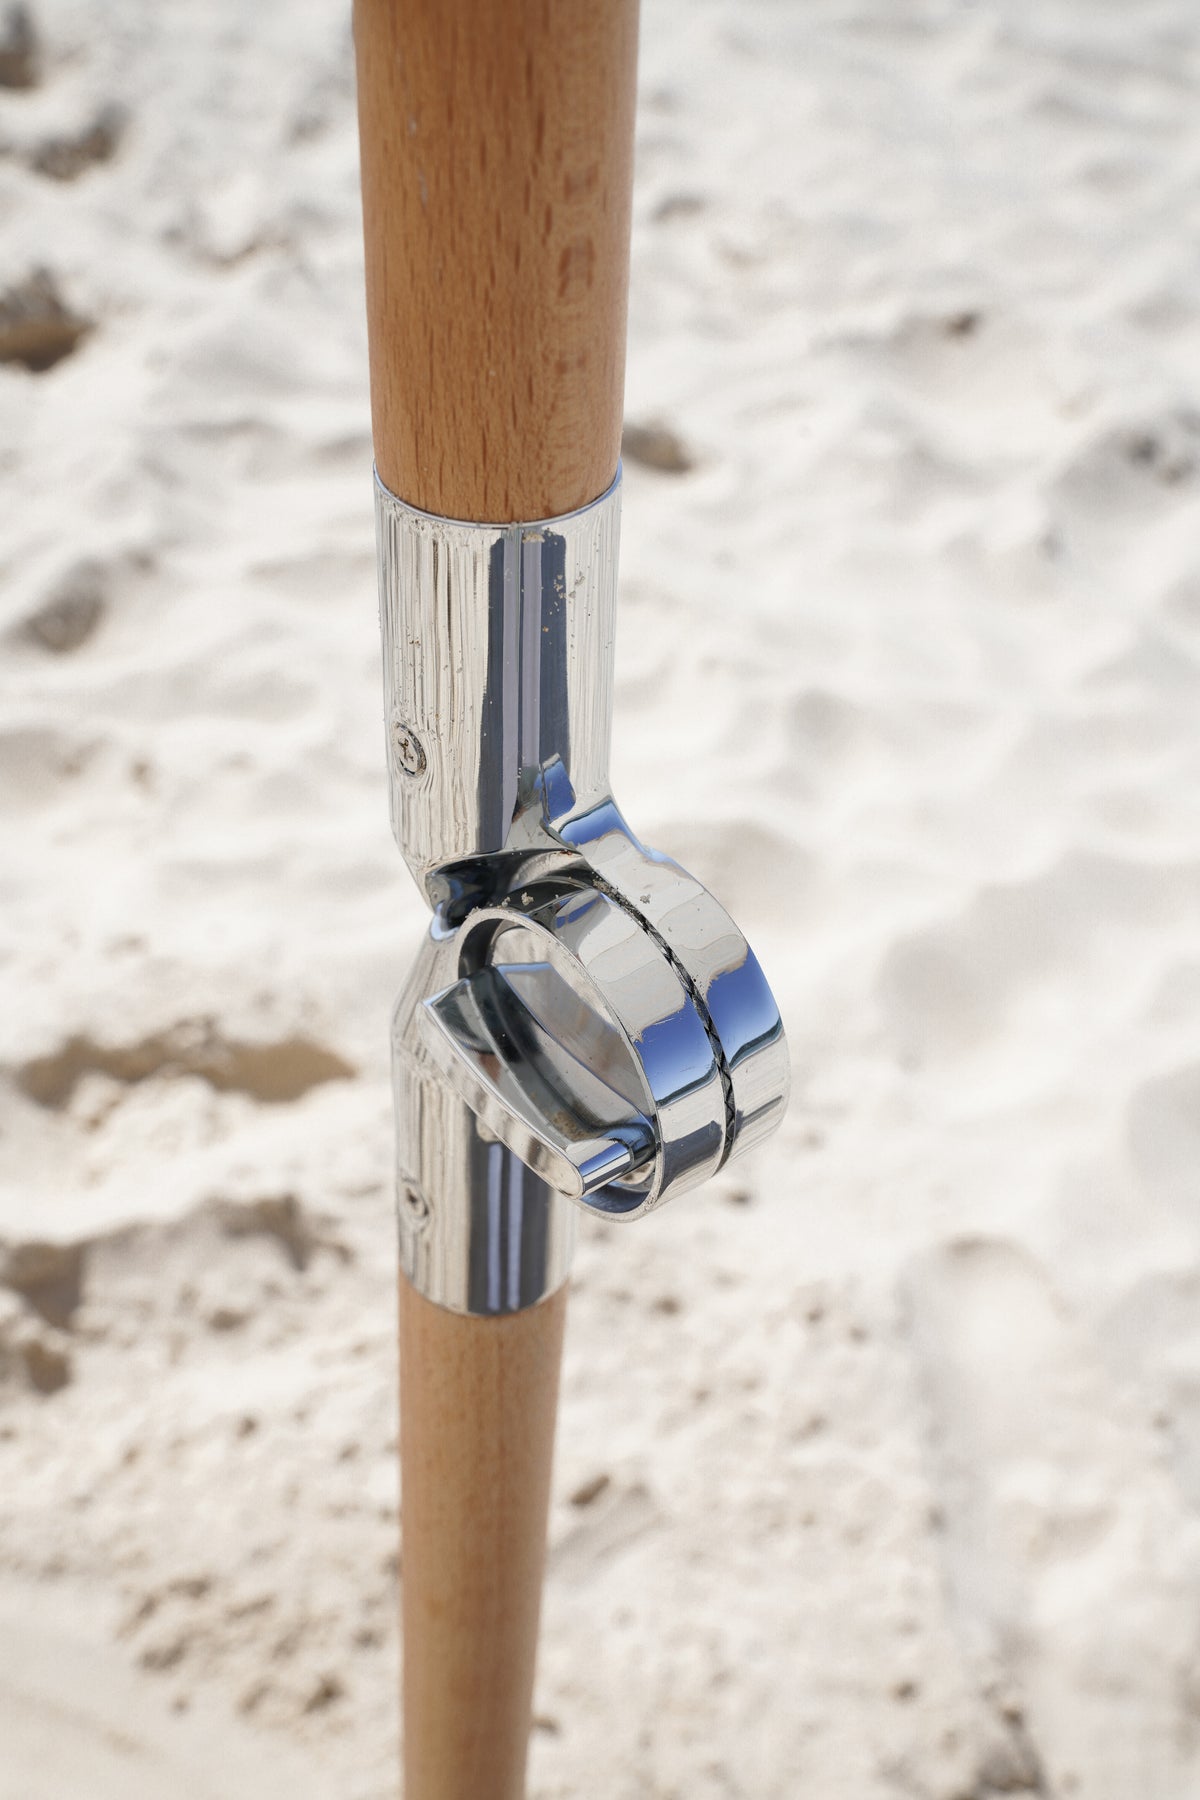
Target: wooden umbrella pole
[497,147]
[477,1399]
[497,164]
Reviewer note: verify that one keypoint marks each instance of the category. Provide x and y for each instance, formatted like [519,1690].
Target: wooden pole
[497,158]
[478,1399]
[497,148]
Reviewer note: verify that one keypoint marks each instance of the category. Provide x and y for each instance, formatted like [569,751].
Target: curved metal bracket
[586,1022]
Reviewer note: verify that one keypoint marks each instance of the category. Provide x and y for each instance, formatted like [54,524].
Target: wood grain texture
[497,156]
[477,1407]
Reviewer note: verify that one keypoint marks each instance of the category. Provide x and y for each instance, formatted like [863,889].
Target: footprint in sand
[1072,1570]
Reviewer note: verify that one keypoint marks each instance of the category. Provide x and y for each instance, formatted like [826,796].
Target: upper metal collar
[497,674]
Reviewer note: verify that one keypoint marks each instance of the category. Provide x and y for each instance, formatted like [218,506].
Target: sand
[879,1463]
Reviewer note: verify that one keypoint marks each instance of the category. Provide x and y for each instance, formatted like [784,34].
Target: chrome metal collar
[585,1022]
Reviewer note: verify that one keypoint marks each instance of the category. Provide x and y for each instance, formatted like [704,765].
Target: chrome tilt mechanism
[584,1022]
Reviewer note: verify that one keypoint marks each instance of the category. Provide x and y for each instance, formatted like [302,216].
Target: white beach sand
[892,1438]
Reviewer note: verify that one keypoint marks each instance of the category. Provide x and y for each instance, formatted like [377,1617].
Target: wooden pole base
[477,1410]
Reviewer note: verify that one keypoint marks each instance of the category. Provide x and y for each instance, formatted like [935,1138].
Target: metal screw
[407,746]
[415,1205]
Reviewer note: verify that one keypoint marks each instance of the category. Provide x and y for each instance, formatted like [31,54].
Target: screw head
[414,1206]
[407,746]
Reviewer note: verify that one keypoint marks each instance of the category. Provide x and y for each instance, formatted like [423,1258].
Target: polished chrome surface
[479,1231]
[497,680]
[585,1019]
[583,1049]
